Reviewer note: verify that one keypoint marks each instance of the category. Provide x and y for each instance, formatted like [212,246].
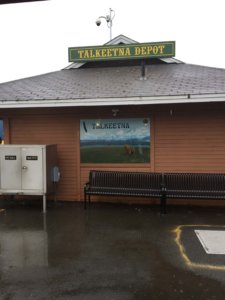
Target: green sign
[117,52]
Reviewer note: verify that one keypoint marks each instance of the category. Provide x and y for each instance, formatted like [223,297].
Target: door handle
[24,167]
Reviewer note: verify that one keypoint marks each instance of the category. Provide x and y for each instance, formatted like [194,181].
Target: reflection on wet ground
[108,252]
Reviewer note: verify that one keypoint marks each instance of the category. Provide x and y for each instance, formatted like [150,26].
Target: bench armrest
[87,185]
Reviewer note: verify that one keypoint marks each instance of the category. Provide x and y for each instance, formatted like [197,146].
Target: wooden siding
[61,129]
[184,138]
[190,141]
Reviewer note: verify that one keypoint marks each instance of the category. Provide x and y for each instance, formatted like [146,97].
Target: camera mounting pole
[108,19]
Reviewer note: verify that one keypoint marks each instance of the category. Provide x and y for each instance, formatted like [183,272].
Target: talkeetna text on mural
[116,52]
[110,125]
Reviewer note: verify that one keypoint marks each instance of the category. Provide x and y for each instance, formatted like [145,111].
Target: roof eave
[150,100]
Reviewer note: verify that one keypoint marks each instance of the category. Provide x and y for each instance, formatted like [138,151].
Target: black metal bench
[155,185]
[132,184]
[192,185]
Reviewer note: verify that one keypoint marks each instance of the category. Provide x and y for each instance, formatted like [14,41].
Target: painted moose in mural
[129,150]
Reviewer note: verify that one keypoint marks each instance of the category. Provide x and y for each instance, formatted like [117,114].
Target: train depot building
[121,106]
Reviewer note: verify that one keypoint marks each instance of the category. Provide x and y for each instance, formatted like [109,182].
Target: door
[10,168]
[32,166]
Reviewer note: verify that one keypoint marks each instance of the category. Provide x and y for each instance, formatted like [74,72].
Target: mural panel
[115,140]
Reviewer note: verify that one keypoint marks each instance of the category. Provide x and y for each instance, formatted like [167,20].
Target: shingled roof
[120,85]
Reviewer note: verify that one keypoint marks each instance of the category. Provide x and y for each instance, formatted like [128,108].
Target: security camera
[98,22]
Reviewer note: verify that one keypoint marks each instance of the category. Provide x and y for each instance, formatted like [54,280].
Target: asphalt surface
[108,252]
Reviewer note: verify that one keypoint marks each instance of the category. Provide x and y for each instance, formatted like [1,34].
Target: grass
[114,155]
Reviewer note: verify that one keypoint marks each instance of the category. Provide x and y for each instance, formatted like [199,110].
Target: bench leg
[85,200]
[163,204]
[89,200]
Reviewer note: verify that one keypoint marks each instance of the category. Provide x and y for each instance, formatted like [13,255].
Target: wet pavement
[114,252]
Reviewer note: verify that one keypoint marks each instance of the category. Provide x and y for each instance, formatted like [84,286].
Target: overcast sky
[35,36]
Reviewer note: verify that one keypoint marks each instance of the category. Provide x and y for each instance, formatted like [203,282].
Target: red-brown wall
[191,139]
[184,137]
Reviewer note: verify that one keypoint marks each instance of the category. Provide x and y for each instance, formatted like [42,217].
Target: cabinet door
[32,168]
[10,168]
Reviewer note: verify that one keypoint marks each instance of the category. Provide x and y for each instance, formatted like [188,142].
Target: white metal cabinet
[10,164]
[33,165]
[28,170]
